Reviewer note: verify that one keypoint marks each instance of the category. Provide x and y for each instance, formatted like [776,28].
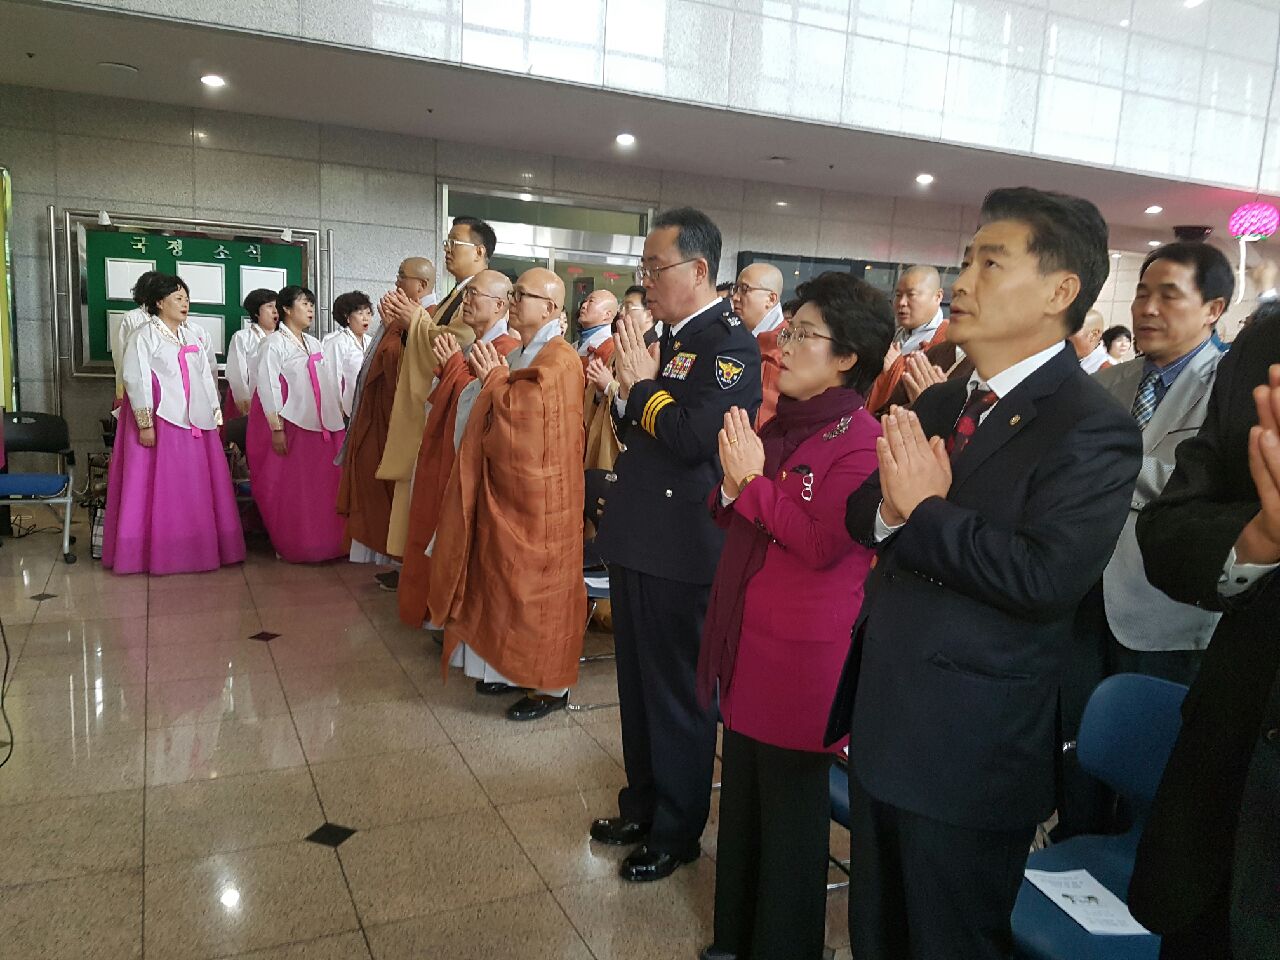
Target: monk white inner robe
[408,410]
[506,578]
[242,353]
[345,356]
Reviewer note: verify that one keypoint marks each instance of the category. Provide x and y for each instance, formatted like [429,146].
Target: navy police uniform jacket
[656,519]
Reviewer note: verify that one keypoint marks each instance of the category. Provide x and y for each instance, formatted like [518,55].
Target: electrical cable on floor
[4,684]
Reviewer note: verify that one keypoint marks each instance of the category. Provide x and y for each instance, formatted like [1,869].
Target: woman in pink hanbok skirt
[170,504]
[295,431]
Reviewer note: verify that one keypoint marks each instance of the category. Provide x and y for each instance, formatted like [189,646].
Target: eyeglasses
[516,295]
[798,335]
[650,274]
[451,244]
[742,289]
[472,293]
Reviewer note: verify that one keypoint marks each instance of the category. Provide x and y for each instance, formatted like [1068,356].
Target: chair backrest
[1128,731]
[35,433]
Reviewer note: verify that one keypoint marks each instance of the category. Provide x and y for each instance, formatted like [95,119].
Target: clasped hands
[396,309]
[599,375]
[1260,540]
[913,467]
[741,452]
[484,359]
[444,346]
[634,360]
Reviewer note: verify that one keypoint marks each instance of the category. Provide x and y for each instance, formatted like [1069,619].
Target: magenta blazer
[800,607]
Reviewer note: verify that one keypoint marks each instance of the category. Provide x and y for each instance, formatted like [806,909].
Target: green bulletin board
[220,272]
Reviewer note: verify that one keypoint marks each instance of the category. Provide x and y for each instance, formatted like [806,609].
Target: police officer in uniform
[660,542]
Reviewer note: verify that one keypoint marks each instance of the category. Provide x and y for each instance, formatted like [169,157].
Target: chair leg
[67,555]
[843,867]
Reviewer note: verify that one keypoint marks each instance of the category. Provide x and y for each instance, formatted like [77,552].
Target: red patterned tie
[979,401]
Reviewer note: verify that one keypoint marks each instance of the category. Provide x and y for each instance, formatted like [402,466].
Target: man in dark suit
[996,506]
[659,539]
[1207,875]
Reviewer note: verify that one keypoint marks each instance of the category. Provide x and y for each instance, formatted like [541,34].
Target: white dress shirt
[241,354]
[153,349]
[281,355]
[1096,360]
[1002,384]
[770,321]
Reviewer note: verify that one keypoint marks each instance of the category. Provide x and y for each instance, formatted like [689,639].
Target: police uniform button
[1272,735]
[667,493]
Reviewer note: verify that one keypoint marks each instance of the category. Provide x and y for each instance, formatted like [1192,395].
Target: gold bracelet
[143,419]
[742,484]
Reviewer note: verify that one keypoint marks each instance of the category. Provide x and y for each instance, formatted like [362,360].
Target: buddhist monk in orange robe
[917,306]
[756,298]
[506,579]
[484,311]
[595,326]
[362,498]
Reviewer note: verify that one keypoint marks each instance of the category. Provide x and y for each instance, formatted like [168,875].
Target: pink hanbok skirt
[297,494]
[171,507]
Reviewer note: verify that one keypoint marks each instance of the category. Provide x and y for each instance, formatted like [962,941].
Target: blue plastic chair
[1126,736]
[40,433]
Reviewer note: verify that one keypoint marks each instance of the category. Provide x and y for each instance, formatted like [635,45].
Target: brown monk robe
[756,297]
[506,580]
[484,310]
[362,498]
[466,254]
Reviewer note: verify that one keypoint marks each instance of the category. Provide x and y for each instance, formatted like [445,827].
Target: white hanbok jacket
[242,353]
[345,355]
[313,402]
[180,363]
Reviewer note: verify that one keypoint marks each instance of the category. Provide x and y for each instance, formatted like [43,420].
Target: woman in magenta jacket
[785,596]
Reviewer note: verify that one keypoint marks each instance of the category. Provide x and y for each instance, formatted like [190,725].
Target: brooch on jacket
[839,429]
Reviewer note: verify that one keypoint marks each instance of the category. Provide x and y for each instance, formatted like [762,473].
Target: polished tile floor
[177,740]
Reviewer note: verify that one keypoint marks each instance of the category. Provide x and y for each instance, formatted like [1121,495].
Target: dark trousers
[921,889]
[668,741]
[1086,805]
[771,859]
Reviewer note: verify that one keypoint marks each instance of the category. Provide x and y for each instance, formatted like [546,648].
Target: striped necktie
[1146,401]
[980,400]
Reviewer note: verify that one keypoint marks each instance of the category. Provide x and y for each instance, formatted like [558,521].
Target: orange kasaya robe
[604,352]
[770,370]
[506,575]
[435,461]
[362,498]
[888,380]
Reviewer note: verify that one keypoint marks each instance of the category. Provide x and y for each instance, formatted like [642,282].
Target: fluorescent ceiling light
[924,179]
[213,80]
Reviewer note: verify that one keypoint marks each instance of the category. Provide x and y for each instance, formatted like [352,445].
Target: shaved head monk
[362,498]
[484,311]
[1087,342]
[467,250]
[757,300]
[505,580]
[595,326]
[917,306]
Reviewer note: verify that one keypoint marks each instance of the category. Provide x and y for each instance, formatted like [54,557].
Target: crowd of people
[843,525]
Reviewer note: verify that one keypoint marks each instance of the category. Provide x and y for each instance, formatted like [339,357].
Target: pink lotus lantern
[1251,222]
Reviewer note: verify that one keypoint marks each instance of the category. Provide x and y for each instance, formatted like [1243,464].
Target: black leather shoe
[389,580]
[619,831]
[495,689]
[535,706]
[645,864]
[711,953]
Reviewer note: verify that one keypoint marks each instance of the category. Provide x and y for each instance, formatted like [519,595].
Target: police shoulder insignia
[728,371]
[730,320]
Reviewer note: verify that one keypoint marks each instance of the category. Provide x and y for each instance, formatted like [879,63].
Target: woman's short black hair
[290,295]
[256,300]
[345,304]
[860,321]
[141,285]
[1268,311]
[1112,334]
[789,308]
[163,285]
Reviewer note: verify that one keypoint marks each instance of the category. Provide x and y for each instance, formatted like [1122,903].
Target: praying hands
[913,467]
[634,360]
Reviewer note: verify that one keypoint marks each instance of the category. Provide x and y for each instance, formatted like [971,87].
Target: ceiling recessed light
[625,140]
[116,65]
[1124,23]
[1153,243]
[527,175]
[924,179]
[781,203]
[213,80]
[1154,209]
[526,197]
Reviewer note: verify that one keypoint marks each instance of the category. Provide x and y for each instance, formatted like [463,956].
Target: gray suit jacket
[1142,617]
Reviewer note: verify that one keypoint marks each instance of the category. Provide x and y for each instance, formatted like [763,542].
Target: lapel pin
[1015,420]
